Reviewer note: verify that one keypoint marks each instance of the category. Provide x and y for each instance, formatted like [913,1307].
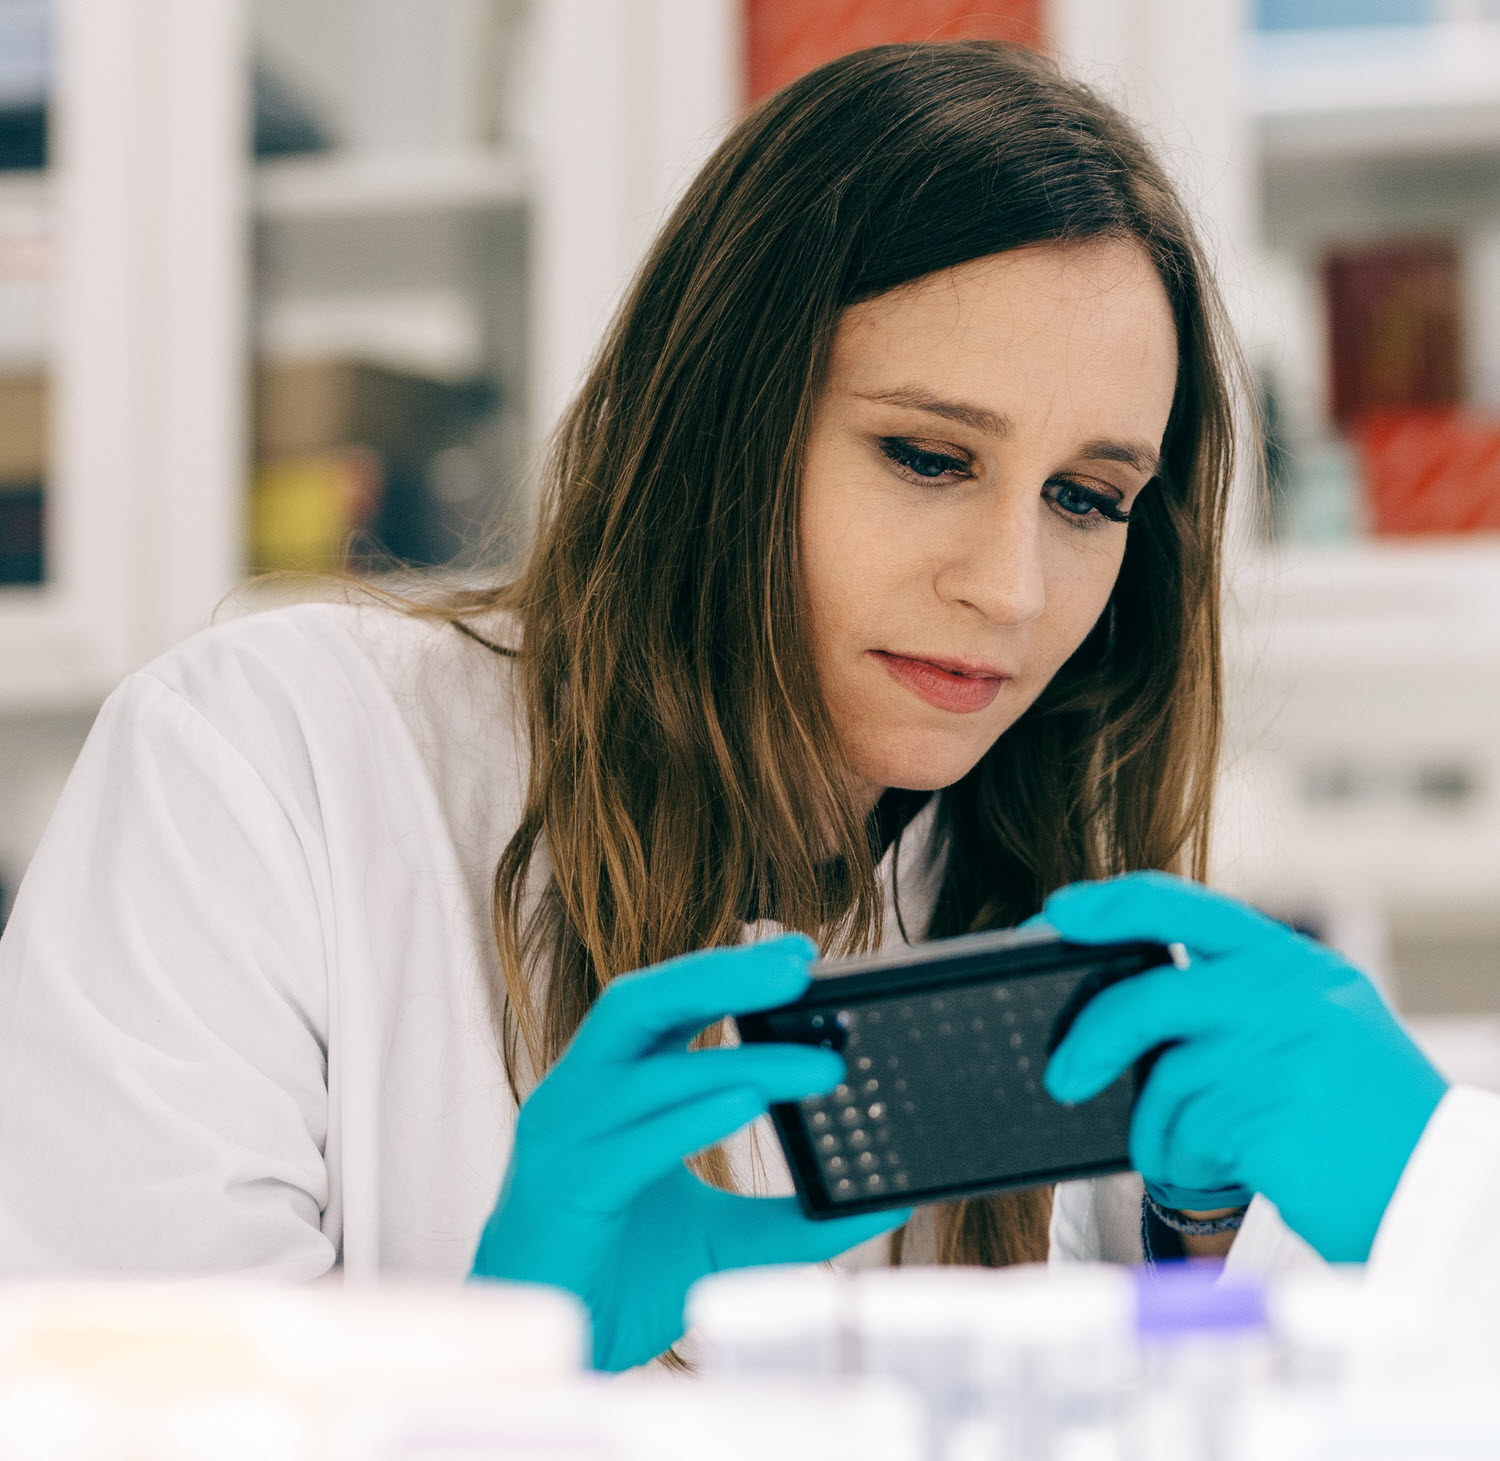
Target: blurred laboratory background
[290,284]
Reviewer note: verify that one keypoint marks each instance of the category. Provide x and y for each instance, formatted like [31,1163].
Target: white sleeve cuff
[1265,1245]
[1443,1222]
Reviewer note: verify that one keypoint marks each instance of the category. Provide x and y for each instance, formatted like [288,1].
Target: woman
[875,598]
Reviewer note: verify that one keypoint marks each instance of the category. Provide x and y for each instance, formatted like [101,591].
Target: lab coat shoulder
[365,723]
[292,686]
[206,951]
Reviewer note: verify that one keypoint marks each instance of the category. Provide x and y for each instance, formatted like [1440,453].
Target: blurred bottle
[49,1419]
[1386,1368]
[651,1417]
[1207,1355]
[922,1327]
[1059,1358]
[1016,1364]
[1316,1320]
[770,1321]
[1320,499]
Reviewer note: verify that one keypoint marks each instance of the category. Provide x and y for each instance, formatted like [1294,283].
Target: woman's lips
[942,688]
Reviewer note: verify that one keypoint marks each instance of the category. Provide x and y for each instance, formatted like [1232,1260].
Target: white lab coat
[244,1010]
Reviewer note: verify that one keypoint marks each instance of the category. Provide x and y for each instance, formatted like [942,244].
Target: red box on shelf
[1394,327]
[1431,470]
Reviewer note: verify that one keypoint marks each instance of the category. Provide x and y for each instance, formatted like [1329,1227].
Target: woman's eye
[1083,503]
[929,465]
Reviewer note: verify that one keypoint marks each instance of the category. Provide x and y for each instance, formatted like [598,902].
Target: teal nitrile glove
[1286,1073]
[597,1200]
[1184,1199]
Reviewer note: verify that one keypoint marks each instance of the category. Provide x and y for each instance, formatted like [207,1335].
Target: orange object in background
[1431,471]
[787,38]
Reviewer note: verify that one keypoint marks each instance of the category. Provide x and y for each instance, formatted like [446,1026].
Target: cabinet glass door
[389,314]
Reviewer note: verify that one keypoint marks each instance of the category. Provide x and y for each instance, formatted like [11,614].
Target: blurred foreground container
[237,1367]
[228,1369]
[1094,1362]
[1015,1364]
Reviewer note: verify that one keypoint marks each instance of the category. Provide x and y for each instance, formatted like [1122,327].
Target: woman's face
[979,431]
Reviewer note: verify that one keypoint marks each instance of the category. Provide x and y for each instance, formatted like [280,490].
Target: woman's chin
[929,769]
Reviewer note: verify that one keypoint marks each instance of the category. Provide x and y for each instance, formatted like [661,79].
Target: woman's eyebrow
[1135,454]
[914,398]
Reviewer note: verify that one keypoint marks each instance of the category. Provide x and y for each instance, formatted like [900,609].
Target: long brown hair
[683,765]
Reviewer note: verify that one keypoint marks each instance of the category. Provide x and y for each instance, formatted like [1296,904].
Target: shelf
[1363,683]
[24,186]
[25,201]
[341,185]
[1375,90]
[47,663]
[1372,606]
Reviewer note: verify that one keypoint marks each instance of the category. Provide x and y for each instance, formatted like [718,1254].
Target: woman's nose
[995,565]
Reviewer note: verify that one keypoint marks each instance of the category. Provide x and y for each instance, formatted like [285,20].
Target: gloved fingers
[1160,1145]
[637,1010]
[750,1231]
[1121,1023]
[619,1166]
[584,1105]
[1206,1151]
[1156,906]
[1176,1077]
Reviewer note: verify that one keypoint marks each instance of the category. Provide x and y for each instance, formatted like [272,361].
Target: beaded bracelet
[1195,1227]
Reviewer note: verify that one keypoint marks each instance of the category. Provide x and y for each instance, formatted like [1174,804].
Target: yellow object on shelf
[304,510]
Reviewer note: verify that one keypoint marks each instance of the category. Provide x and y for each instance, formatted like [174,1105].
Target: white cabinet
[151,206]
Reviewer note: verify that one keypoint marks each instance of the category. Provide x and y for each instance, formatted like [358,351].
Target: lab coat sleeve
[163,1076]
[1442,1226]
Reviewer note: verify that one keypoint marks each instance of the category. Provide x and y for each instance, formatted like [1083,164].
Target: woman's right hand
[1281,1069]
[597,1199]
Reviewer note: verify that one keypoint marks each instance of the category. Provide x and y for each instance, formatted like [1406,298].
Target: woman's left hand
[1285,1072]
